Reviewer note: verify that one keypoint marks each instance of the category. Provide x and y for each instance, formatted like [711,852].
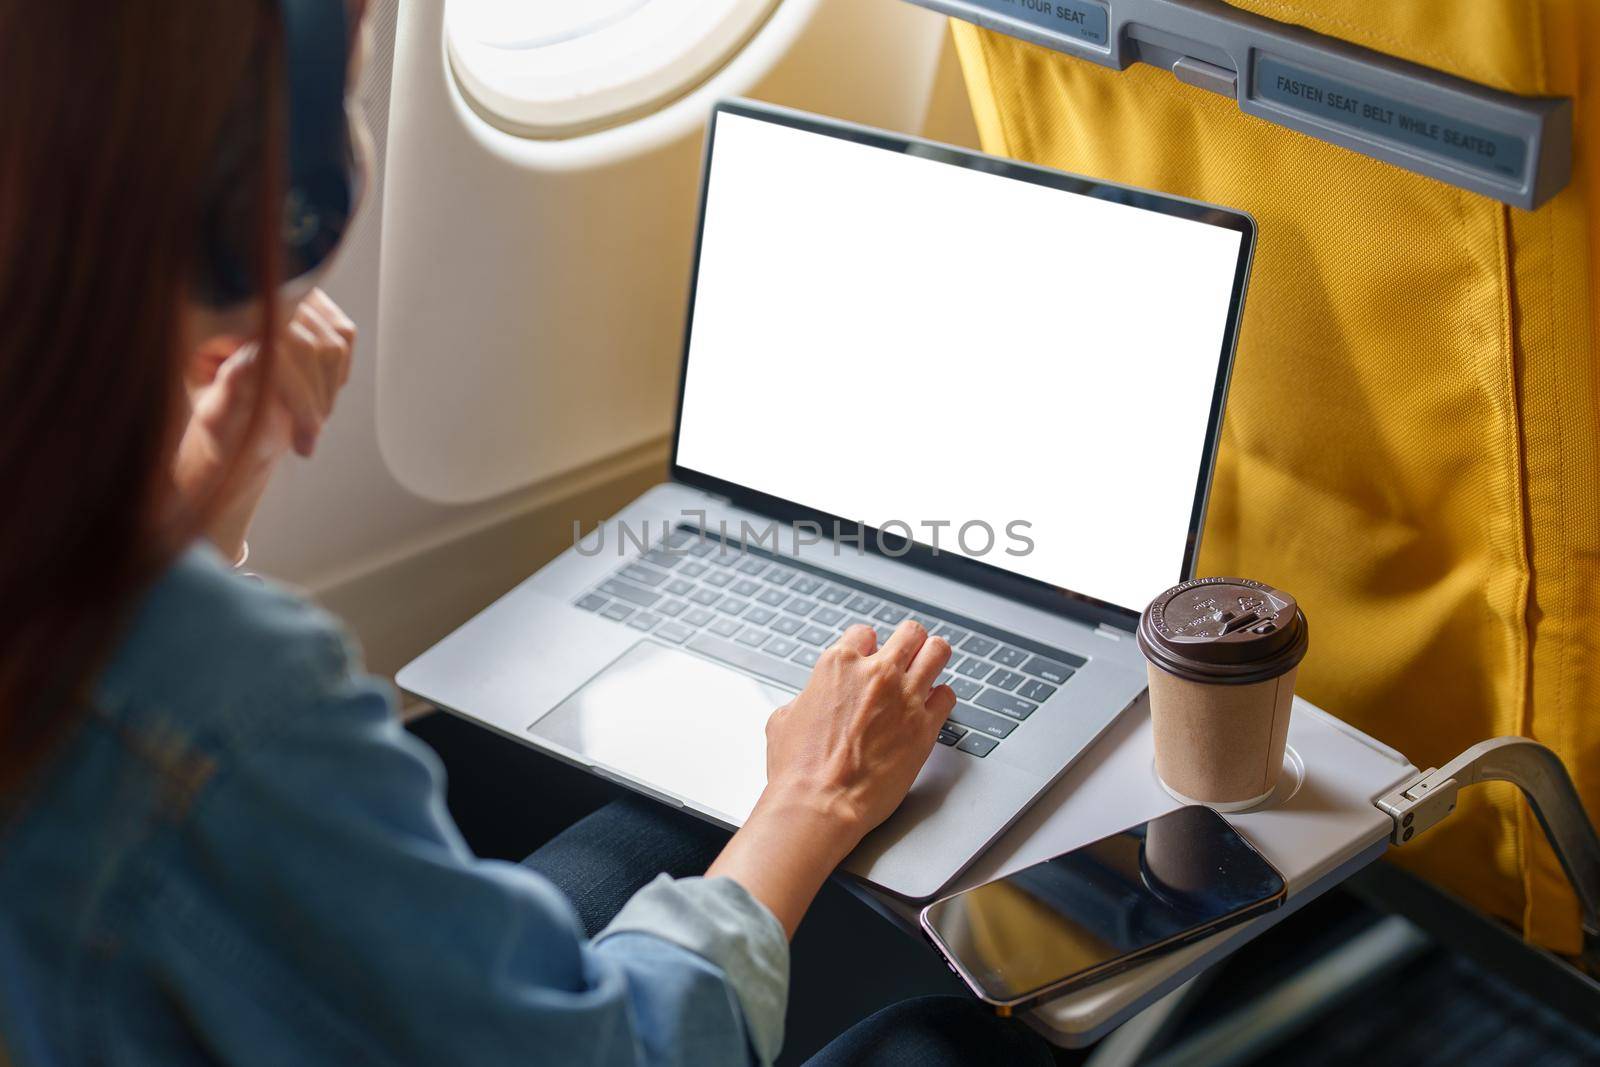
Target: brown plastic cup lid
[1232,631]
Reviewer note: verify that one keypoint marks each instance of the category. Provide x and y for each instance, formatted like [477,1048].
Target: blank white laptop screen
[882,336]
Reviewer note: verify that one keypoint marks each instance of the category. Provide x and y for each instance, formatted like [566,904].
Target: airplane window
[559,68]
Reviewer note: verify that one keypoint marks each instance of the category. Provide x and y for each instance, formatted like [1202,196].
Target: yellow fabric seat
[1412,444]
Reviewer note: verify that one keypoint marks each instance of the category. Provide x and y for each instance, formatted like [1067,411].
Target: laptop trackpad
[675,723]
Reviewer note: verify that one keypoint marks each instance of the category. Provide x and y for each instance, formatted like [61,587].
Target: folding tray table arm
[1543,779]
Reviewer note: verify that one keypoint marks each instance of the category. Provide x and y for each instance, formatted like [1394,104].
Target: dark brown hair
[111,120]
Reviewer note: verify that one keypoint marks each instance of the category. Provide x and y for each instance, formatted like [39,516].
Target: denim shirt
[238,856]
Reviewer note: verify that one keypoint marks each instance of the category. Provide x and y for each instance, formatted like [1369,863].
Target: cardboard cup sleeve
[1220,744]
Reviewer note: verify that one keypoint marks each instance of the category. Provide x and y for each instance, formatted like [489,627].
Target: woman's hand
[312,365]
[840,758]
[852,743]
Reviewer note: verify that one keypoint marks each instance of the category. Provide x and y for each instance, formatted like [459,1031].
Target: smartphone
[1083,916]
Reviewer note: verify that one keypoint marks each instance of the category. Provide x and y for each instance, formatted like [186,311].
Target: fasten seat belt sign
[1515,149]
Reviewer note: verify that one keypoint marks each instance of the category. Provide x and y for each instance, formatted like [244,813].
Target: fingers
[313,365]
[302,400]
[302,353]
[904,644]
[941,702]
[338,335]
[326,353]
[858,639]
[930,660]
[334,315]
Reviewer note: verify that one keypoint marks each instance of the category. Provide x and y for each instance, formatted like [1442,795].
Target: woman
[216,844]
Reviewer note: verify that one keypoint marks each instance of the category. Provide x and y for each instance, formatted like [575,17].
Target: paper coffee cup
[1222,656]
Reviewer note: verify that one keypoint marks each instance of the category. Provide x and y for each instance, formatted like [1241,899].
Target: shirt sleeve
[718,920]
[322,863]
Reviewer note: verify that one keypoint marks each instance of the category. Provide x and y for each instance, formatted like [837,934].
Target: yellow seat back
[1412,443]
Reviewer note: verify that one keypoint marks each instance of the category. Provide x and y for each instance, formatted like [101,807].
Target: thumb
[226,404]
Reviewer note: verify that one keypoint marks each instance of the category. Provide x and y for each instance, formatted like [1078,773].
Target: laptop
[918,382]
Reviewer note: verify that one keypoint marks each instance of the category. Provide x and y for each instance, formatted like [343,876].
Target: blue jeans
[604,858]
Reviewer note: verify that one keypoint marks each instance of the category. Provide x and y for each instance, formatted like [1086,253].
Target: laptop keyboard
[774,616]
